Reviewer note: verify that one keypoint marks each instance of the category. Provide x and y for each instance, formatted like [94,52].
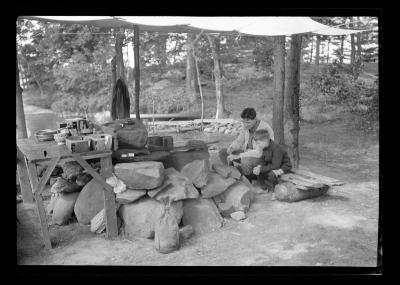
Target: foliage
[339,87]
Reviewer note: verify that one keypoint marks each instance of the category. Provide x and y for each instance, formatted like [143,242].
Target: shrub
[336,85]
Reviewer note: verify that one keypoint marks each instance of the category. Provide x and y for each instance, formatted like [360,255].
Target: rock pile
[200,197]
[227,128]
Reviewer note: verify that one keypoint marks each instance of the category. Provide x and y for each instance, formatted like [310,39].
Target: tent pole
[137,69]
[21,124]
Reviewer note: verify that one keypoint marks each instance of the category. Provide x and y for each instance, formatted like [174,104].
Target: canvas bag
[166,236]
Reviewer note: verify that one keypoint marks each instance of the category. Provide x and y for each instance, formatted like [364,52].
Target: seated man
[276,161]
[244,141]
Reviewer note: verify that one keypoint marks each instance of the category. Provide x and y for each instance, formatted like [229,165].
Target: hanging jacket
[120,103]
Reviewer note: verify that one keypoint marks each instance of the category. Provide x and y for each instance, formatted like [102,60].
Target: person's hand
[277,172]
[229,150]
[256,170]
[232,157]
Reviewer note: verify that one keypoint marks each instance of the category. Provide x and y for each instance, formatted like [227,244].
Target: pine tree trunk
[279,88]
[21,123]
[342,49]
[113,77]
[191,75]
[119,40]
[317,46]
[312,47]
[137,69]
[359,41]
[292,102]
[221,112]
[327,54]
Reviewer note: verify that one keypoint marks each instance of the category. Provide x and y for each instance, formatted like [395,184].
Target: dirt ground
[337,229]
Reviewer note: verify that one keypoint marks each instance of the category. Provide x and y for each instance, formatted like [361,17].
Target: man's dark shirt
[275,157]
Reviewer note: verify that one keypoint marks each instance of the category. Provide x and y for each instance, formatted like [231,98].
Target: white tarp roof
[257,26]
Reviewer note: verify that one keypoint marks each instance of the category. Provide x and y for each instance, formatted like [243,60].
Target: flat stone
[178,159]
[197,172]
[140,217]
[129,196]
[216,184]
[175,187]
[226,171]
[202,215]
[238,216]
[140,175]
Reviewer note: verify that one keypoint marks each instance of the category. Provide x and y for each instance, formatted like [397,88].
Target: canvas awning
[256,26]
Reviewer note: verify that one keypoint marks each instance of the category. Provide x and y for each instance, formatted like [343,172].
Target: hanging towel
[120,104]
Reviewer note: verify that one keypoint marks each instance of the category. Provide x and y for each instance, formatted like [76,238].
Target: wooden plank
[324,179]
[299,182]
[39,206]
[68,158]
[109,200]
[221,121]
[92,172]
[23,175]
[39,188]
[41,151]
[312,182]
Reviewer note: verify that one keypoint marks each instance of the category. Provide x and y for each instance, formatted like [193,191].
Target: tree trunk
[327,54]
[279,87]
[21,124]
[342,49]
[191,76]
[114,77]
[353,46]
[119,40]
[317,46]
[137,69]
[292,102]
[312,47]
[221,112]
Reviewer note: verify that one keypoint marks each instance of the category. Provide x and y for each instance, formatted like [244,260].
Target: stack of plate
[45,135]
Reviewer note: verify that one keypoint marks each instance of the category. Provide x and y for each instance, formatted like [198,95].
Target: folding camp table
[31,152]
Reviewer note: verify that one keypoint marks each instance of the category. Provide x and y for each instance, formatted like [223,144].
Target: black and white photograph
[219,141]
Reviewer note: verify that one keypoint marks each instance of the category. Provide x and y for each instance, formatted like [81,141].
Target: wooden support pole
[201,91]
[23,175]
[292,101]
[21,123]
[137,69]
[109,200]
[39,206]
[279,88]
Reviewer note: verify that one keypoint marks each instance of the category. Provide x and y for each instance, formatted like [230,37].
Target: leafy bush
[336,85]
[249,73]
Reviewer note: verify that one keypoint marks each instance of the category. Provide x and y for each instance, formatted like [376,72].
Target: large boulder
[197,172]
[90,201]
[202,215]
[140,175]
[216,184]
[63,208]
[175,187]
[129,196]
[237,197]
[140,217]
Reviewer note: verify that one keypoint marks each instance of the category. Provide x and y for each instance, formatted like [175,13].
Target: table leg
[23,177]
[109,199]
[39,206]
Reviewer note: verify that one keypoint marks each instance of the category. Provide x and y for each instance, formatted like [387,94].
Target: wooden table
[30,152]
